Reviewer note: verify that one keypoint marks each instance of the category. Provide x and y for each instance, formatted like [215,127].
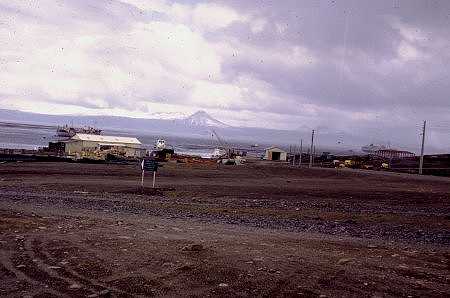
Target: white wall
[268,154]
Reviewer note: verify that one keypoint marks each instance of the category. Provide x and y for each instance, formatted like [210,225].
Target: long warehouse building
[79,143]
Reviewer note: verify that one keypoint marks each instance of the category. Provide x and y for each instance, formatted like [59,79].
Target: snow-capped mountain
[203,119]
[198,119]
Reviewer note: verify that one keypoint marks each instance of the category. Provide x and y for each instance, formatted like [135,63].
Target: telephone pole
[314,154]
[421,150]
[293,155]
[311,150]
[301,153]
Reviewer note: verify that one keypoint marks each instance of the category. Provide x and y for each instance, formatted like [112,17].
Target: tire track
[49,256]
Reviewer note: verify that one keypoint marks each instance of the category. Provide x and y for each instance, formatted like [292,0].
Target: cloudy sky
[367,68]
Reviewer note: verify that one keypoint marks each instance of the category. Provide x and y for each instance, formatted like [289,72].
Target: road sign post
[149,165]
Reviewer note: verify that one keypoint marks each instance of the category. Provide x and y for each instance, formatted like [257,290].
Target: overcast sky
[367,68]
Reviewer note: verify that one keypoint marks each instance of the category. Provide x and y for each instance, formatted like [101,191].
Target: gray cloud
[373,68]
[367,41]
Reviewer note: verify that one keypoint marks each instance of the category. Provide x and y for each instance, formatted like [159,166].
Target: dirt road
[81,230]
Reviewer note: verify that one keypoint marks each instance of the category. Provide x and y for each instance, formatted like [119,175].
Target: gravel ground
[83,230]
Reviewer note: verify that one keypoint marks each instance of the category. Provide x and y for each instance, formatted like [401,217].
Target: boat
[218,153]
[67,131]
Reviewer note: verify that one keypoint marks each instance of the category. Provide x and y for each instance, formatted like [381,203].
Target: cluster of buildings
[88,143]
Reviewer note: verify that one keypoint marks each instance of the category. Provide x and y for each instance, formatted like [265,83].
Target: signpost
[149,165]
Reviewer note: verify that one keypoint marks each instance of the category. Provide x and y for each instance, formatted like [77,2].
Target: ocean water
[21,136]
[25,137]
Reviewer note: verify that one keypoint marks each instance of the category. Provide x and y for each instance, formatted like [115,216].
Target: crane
[222,143]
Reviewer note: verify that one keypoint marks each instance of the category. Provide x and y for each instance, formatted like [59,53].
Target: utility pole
[423,145]
[293,155]
[301,153]
[290,153]
[314,154]
[311,150]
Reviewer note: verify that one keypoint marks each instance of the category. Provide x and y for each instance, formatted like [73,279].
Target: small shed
[275,153]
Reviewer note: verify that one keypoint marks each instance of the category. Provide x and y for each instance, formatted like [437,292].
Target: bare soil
[264,230]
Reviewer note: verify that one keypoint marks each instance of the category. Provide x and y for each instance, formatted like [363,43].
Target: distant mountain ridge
[199,119]
[168,115]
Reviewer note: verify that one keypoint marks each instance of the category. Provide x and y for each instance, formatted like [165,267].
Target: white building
[275,153]
[79,143]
